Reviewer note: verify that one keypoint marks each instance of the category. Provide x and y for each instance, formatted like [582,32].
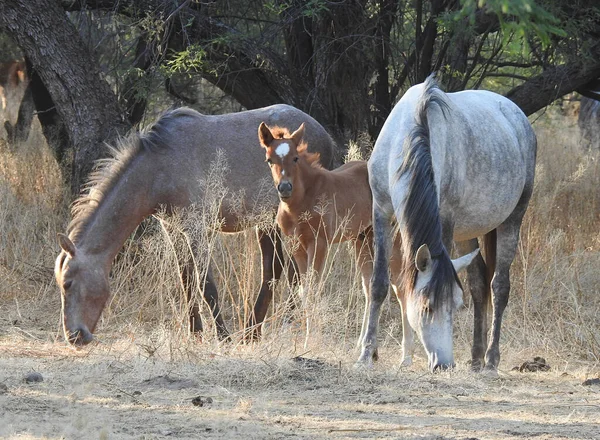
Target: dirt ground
[127,388]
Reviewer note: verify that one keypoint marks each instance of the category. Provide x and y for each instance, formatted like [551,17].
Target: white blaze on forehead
[282,149]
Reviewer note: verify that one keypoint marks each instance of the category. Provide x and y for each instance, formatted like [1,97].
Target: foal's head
[283,152]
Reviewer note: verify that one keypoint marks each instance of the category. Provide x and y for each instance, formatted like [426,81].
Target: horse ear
[66,244]
[423,258]
[298,134]
[264,134]
[462,262]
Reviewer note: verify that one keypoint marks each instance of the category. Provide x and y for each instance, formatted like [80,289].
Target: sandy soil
[127,389]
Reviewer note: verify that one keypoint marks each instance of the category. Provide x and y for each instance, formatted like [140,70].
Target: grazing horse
[321,207]
[164,167]
[449,167]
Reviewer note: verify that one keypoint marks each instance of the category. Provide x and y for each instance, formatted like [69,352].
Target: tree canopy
[345,62]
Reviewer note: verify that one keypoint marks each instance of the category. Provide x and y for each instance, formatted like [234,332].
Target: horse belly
[484,210]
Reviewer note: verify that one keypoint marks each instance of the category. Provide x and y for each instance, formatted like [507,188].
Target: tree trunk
[82,99]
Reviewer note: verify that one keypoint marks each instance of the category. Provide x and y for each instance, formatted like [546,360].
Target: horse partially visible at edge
[320,208]
[589,122]
[447,167]
[164,167]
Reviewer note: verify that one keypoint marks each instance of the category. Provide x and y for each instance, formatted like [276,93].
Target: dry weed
[553,309]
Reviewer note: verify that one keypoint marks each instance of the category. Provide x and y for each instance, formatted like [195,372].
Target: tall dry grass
[554,308]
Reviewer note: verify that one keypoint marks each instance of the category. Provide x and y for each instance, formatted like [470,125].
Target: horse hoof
[363,364]
[476,366]
[406,362]
[490,372]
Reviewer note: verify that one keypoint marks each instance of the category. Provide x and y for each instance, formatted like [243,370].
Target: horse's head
[435,295]
[84,290]
[283,151]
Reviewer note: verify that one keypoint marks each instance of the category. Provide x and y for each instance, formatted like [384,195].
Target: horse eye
[269,161]
[67,284]
[296,159]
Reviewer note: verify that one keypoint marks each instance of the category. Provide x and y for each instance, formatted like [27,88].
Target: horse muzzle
[437,365]
[79,337]
[285,190]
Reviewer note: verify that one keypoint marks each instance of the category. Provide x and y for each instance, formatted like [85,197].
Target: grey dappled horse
[449,167]
[165,167]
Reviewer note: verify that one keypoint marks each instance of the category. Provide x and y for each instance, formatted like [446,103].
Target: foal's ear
[264,135]
[423,258]
[66,244]
[298,135]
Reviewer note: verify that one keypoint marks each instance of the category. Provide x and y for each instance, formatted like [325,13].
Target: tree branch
[539,91]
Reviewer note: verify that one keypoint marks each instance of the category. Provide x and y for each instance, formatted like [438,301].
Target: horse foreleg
[479,287]
[316,256]
[380,282]
[293,278]
[316,252]
[272,267]
[363,247]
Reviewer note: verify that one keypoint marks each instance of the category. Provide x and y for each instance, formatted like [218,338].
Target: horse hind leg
[188,275]
[211,296]
[272,266]
[478,282]
[507,239]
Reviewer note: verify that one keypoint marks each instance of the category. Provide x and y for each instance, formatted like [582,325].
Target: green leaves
[191,59]
[523,18]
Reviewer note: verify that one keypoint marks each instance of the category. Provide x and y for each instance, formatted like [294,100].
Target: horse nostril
[80,337]
[442,367]
[284,187]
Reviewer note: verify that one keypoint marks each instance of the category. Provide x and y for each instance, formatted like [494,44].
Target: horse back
[483,154]
[193,152]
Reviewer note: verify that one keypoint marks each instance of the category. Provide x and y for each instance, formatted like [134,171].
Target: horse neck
[306,187]
[122,208]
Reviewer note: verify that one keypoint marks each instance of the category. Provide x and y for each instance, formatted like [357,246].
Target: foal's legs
[480,292]
[408,336]
[380,283]
[272,267]
[316,253]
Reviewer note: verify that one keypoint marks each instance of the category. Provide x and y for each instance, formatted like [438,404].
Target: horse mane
[420,220]
[108,171]
[313,159]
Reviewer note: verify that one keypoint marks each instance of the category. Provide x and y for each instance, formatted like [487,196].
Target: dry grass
[139,381]
[553,310]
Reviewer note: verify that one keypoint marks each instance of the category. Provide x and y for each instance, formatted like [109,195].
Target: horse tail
[490,243]
[419,214]
[415,196]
